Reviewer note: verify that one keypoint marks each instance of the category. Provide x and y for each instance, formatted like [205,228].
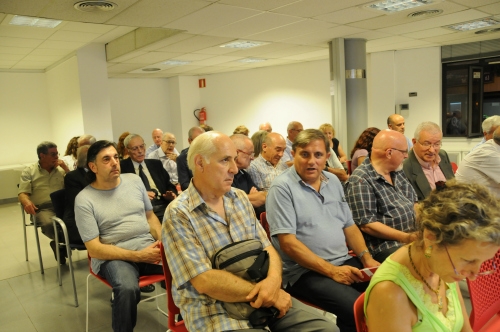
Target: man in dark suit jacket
[427,164]
[155,178]
[183,171]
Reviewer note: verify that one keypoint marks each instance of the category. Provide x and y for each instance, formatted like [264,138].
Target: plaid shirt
[371,198]
[263,172]
[192,233]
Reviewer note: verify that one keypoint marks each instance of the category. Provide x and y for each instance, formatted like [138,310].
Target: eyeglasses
[402,151]
[248,154]
[297,130]
[138,147]
[479,274]
[170,142]
[53,154]
[427,145]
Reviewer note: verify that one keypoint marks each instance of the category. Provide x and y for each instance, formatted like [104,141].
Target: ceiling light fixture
[473,25]
[480,32]
[34,22]
[251,60]
[175,63]
[393,6]
[243,44]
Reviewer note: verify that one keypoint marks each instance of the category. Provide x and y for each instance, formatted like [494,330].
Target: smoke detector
[425,13]
[93,5]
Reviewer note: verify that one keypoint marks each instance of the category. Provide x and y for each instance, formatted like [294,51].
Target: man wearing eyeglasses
[293,129]
[427,164]
[167,156]
[381,197]
[155,178]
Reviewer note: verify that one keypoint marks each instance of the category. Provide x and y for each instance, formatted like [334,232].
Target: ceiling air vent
[92,5]
[425,13]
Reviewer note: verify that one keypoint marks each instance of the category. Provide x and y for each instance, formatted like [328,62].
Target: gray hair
[81,160]
[496,135]
[129,138]
[239,140]
[491,123]
[192,130]
[203,145]
[86,139]
[291,125]
[44,147]
[427,126]
[257,139]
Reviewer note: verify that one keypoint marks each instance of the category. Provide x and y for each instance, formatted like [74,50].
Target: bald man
[397,122]
[293,129]
[266,126]
[268,165]
[381,197]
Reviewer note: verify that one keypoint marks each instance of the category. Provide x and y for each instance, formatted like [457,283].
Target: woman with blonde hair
[241,130]
[328,130]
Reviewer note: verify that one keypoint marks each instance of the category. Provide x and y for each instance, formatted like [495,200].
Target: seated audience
[266,126]
[416,288]
[328,130]
[266,167]
[293,129]
[122,150]
[363,147]
[397,122]
[427,164]
[167,156]
[257,139]
[154,177]
[489,126]
[310,224]
[115,219]
[241,130]
[242,180]
[183,171]
[381,198]
[206,217]
[482,165]
[70,154]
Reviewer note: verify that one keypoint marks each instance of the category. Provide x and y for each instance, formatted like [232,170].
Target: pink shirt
[432,173]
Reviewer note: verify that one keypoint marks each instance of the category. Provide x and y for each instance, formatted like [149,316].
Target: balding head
[396,122]
[266,126]
[157,135]
[168,143]
[293,129]
[194,132]
[273,147]
[244,149]
[86,140]
[389,150]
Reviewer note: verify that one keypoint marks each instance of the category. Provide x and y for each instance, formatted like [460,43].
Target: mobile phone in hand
[368,273]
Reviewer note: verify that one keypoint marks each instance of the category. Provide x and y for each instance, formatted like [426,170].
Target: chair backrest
[265,224]
[349,167]
[58,199]
[454,167]
[172,308]
[484,296]
[359,314]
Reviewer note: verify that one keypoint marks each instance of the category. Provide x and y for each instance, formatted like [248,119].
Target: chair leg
[38,244]
[24,231]
[87,310]
[58,258]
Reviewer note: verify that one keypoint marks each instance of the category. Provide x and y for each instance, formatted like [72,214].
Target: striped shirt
[372,198]
[192,233]
[169,165]
[263,172]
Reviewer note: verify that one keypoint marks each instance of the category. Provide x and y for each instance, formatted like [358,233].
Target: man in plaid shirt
[381,197]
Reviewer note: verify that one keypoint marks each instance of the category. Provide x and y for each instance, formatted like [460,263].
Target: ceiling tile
[388,40]
[49,51]
[258,4]
[19,42]
[474,3]
[11,57]
[324,36]
[15,50]
[253,25]
[493,9]
[167,41]
[196,43]
[260,50]
[123,67]
[312,8]
[88,27]
[369,35]
[428,33]
[451,36]
[128,56]
[61,45]
[292,51]
[304,56]
[32,65]
[292,30]
[216,60]
[23,32]
[152,57]
[74,36]
[217,50]
[348,15]
[211,17]
[193,57]
[6,64]
[113,34]
[181,69]
[43,58]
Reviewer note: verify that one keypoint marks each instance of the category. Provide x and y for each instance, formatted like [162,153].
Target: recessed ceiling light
[251,60]
[473,25]
[393,6]
[175,63]
[34,22]
[151,69]
[243,44]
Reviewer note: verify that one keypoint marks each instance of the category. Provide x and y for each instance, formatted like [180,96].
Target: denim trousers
[330,295]
[124,278]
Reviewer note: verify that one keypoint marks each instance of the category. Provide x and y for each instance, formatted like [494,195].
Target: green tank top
[429,316]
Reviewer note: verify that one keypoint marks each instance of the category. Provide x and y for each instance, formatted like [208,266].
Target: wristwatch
[361,254]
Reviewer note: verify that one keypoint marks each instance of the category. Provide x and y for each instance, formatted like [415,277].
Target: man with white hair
[293,129]
[167,156]
[381,197]
[427,164]
[205,218]
[489,126]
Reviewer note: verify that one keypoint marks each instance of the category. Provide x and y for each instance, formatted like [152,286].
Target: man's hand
[369,261]
[265,293]
[151,195]
[253,190]
[411,237]
[29,207]
[63,165]
[284,303]
[172,156]
[346,274]
[151,254]
[169,195]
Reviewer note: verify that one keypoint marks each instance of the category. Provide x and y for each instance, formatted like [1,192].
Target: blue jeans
[330,295]
[124,278]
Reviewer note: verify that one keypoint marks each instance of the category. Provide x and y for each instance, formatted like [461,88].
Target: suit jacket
[74,182]
[416,176]
[183,171]
[158,174]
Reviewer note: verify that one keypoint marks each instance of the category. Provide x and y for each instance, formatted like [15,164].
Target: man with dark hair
[183,171]
[115,219]
[155,178]
[36,184]
[310,224]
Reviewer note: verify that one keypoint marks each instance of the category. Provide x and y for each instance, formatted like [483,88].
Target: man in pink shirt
[427,164]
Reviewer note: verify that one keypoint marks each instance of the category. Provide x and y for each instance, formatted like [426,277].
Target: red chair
[359,314]
[485,300]
[172,308]
[454,167]
[143,281]
[349,167]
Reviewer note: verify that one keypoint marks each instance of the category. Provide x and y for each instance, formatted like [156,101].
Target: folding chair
[173,310]
[143,281]
[58,201]
[31,223]
[359,314]
[484,298]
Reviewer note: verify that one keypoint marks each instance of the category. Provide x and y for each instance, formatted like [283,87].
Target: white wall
[139,106]
[277,94]
[25,116]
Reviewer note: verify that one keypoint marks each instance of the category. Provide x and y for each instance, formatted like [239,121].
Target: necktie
[144,178]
